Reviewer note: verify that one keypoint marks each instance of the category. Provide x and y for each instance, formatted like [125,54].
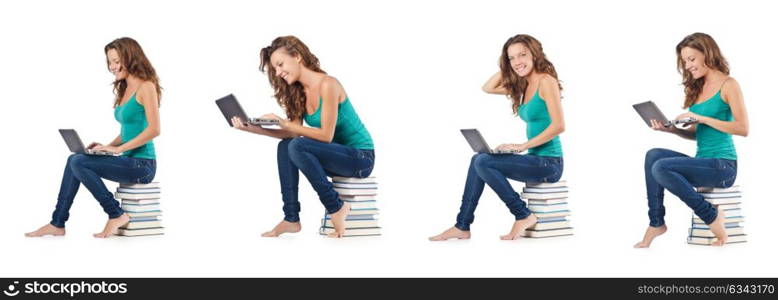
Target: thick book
[720,201]
[139,191]
[355,185]
[537,208]
[721,195]
[339,179]
[550,219]
[144,214]
[705,226]
[150,185]
[552,214]
[707,233]
[732,189]
[142,225]
[140,201]
[550,225]
[545,190]
[546,201]
[375,231]
[141,232]
[547,233]
[357,197]
[561,183]
[140,208]
[363,211]
[356,191]
[137,196]
[543,196]
[141,219]
[729,206]
[727,219]
[709,240]
[361,204]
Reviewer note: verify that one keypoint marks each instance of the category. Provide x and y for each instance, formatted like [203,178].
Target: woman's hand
[237,123]
[110,149]
[512,147]
[93,144]
[687,115]
[658,126]
[283,123]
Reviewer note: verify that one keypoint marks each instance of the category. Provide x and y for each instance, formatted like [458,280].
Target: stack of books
[548,202]
[141,203]
[727,201]
[360,193]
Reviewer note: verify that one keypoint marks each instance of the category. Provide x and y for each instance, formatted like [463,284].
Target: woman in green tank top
[717,111]
[136,107]
[335,143]
[529,79]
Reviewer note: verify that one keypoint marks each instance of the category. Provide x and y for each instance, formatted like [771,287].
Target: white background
[413,71]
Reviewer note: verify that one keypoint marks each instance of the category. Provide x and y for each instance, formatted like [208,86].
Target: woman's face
[694,62]
[286,66]
[115,64]
[520,59]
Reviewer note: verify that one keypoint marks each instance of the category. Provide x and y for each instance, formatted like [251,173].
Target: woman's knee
[660,168]
[297,145]
[77,160]
[481,161]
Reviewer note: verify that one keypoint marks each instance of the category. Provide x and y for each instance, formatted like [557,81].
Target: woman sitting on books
[136,107]
[714,99]
[335,144]
[529,79]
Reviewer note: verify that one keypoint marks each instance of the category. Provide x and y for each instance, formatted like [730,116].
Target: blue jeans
[317,160]
[495,169]
[679,174]
[88,170]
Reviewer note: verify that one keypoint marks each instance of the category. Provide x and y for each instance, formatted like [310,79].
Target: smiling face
[115,64]
[520,58]
[694,62]
[286,66]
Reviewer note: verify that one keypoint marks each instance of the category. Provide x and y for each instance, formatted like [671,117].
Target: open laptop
[649,111]
[479,145]
[76,146]
[230,107]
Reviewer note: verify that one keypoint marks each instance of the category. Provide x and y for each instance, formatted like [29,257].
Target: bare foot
[283,227]
[717,227]
[339,221]
[47,229]
[651,233]
[112,225]
[451,233]
[519,226]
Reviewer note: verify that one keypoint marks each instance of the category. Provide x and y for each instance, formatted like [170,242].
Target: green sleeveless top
[535,113]
[712,143]
[132,116]
[349,129]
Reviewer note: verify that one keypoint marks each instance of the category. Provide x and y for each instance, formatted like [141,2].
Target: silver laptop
[230,107]
[649,111]
[479,145]
[76,146]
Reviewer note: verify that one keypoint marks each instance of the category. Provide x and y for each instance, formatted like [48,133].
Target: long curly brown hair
[713,59]
[135,62]
[516,85]
[290,97]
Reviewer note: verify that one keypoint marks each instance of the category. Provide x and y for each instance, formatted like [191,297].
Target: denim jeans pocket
[728,171]
[150,173]
[150,168]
